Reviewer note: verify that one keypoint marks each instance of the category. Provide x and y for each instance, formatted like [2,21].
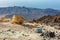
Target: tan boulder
[17,19]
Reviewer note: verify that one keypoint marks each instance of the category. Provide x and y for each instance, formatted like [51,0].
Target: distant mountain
[27,13]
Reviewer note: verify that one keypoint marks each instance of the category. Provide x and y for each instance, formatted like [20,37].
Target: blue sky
[31,3]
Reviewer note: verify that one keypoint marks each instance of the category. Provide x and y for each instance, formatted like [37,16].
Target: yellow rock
[17,19]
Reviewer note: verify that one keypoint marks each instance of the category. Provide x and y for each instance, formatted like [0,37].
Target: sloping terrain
[10,31]
[50,19]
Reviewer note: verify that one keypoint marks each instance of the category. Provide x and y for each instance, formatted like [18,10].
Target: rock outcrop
[17,19]
[49,19]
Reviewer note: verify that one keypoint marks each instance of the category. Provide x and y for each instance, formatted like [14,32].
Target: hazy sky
[31,3]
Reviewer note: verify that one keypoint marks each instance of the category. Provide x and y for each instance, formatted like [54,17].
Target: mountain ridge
[27,13]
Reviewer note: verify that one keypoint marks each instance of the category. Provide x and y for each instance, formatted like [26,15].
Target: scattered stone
[42,34]
[44,39]
[4,39]
[48,34]
[39,30]
[52,34]
[59,37]
[9,30]
[25,35]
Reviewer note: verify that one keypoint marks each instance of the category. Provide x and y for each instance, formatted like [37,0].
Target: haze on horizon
[31,3]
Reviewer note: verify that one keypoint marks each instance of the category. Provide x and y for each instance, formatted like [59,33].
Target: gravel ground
[10,31]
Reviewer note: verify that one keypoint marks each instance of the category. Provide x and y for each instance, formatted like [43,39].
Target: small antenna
[14,10]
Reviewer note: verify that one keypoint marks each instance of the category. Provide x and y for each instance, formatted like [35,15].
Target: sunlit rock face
[17,19]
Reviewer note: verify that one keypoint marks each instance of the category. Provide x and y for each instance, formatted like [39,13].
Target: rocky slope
[49,19]
[10,31]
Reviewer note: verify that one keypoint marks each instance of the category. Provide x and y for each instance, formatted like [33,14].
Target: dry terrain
[27,31]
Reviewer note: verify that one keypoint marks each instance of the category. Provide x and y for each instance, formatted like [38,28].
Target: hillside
[51,20]
[28,13]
